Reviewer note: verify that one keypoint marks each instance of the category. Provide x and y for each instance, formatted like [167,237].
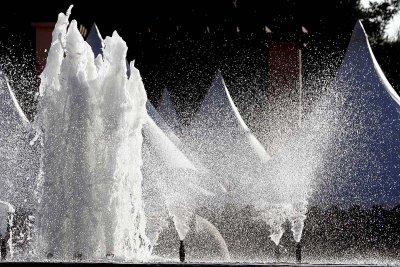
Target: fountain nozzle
[298,252]
[182,251]
[277,253]
[3,248]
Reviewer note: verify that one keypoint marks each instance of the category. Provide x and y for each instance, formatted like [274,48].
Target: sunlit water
[105,172]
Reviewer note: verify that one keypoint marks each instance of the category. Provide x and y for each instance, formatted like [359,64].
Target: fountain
[108,174]
[245,169]
[173,182]
[363,162]
[90,118]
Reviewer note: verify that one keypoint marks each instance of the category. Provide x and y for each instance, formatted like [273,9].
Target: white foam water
[90,118]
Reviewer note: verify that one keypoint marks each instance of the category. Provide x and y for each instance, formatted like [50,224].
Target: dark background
[172,48]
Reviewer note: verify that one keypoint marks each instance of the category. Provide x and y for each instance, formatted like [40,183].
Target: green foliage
[376,18]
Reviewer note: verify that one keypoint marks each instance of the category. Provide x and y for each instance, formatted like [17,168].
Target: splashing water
[168,112]
[90,118]
[173,185]
[276,187]
[364,153]
[15,136]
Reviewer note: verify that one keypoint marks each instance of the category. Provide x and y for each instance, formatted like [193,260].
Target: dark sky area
[179,45]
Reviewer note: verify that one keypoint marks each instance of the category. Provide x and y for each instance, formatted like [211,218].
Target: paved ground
[82,264]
